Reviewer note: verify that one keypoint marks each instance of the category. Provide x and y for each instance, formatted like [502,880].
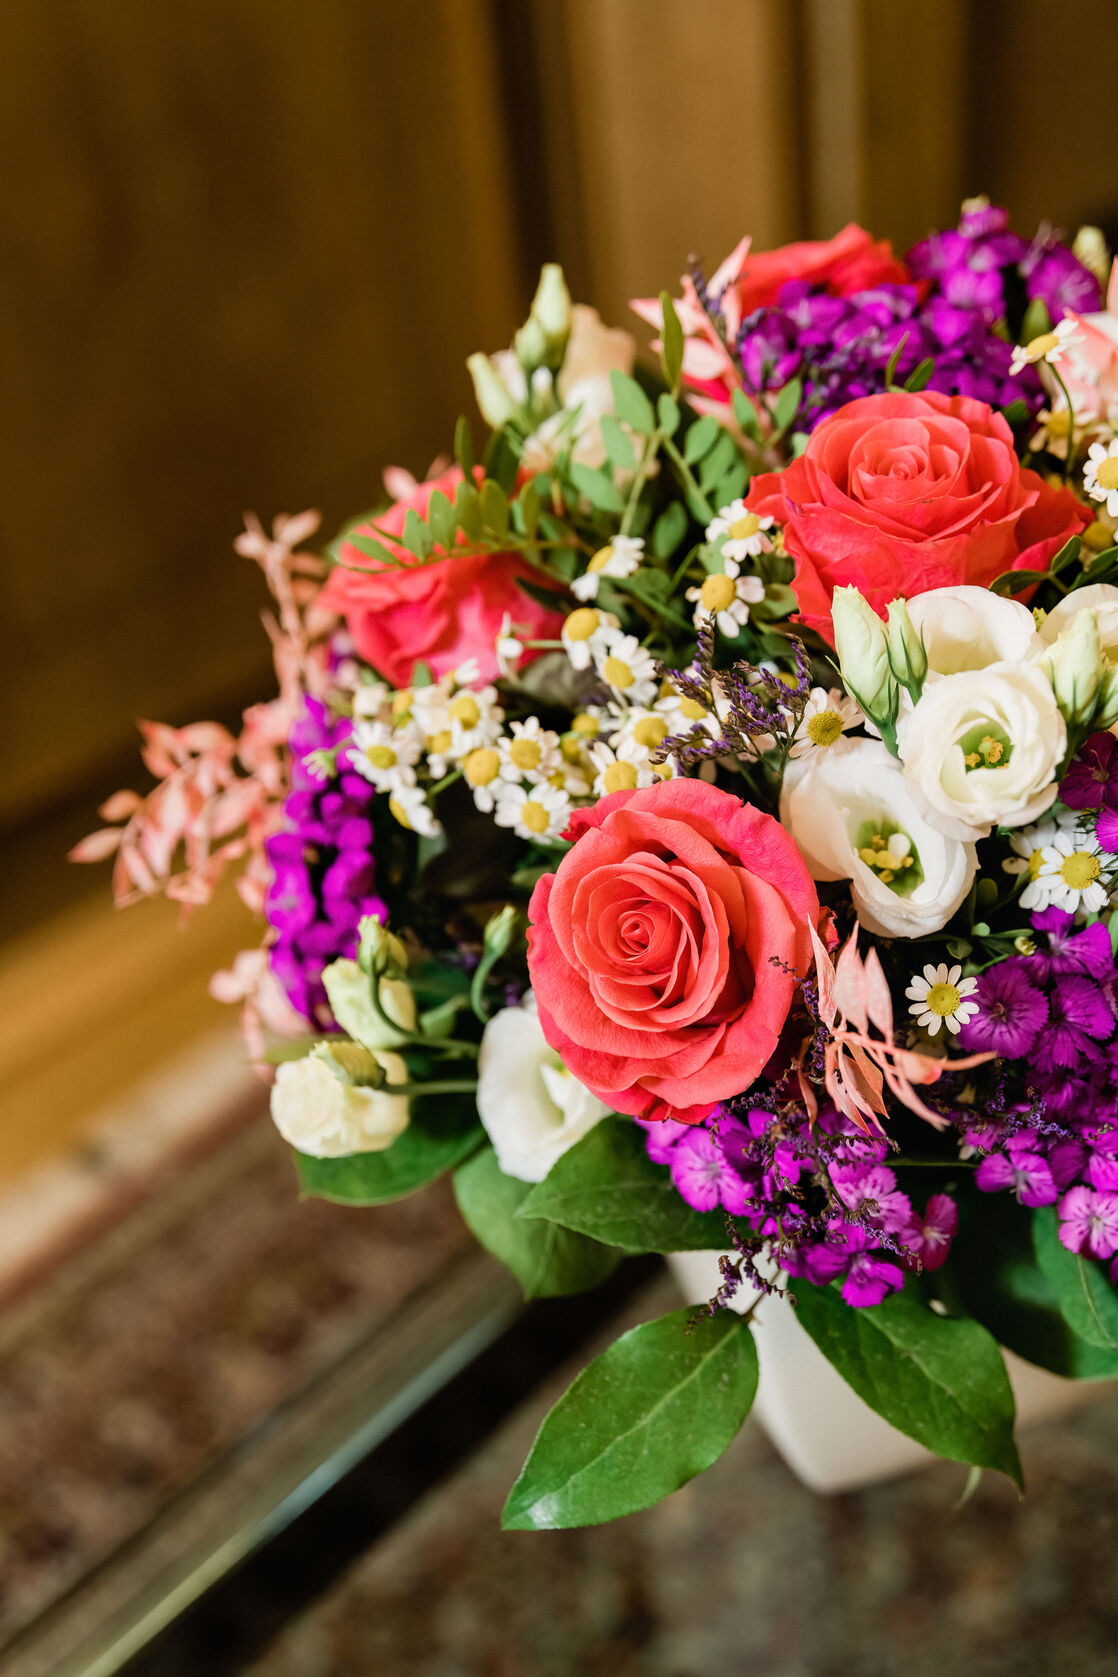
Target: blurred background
[247,247]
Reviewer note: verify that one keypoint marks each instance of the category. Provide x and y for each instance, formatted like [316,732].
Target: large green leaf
[548,1260]
[939,1379]
[599,489]
[631,404]
[995,1273]
[443,1131]
[608,1188]
[1087,1301]
[655,1409]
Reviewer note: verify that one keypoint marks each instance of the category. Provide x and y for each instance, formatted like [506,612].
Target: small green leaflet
[745,413]
[607,1187]
[599,489]
[671,337]
[1087,1301]
[443,1131]
[440,516]
[494,509]
[548,1261]
[939,1379]
[417,537]
[667,414]
[631,404]
[787,404]
[669,530]
[920,375]
[650,1413]
[701,438]
[619,448]
[464,446]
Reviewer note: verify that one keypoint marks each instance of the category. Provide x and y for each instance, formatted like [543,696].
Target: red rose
[897,494]
[663,951]
[442,611]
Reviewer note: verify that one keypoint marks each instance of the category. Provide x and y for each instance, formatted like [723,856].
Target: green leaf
[467,506]
[787,404]
[745,412]
[494,509]
[671,338]
[527,506]
[701,438]
[920,375]
[667,414]
[891,365]
[669,530]
[464,446]
[1037,321]
[939,1379]
[718,462]
[417,537]
[501,461]
[548,1261]
[650,1413]
[607,1187]
[1015,413]
[599,490]
[440,516]
[735,483]
[619,446]
[1087,1301]
[443,1131]
[631,404]
[374,549]
[1015,582]
[994,1269]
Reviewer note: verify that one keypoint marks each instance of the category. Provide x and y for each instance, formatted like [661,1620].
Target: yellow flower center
[1058,424]
[824,728]
[584,724]
[534,816]
[692,710]
[1036,862]
[717,593]
[1107,475]
[381,756]
[942,999]
[1097,536]
[525,754]
[887,860]
[649,731]
[481,766]
[1038,348]
[581,624]
[601,559]
[620,777]
[617,673]
[742,528]
[987,751]
[401,703]
[440,742]
[466,710]
[397,809]
[571,749]
[1080,869]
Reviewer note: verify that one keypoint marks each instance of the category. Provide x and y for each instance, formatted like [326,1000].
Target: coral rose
[442,611]
[664,950]
[900,493]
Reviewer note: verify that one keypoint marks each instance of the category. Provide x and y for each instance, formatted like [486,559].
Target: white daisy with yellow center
[620,558]
[1100,475]
[481,770]
[529,752]
[940,996]
[613,773]
[741,533]
[371,701]
[1049,347]
[826,717]
[726,597]
[1028,845]
[475,719]
[410,808]
[584,631]
[386,755]
[682,714]
[1075,873]
[533,812]
[510,648]
[626,666]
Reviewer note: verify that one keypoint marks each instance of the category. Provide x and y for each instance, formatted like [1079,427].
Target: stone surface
[743,1572]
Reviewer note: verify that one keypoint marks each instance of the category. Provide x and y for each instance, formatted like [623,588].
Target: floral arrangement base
[830,1439]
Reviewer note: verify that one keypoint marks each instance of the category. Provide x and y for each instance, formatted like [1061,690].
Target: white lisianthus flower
[532,1109]
[319,1113]
[983,747]
[853,815]
[968,628]
[1099,597]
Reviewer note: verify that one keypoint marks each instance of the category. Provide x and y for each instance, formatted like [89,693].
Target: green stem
[448,1086]
[1071,422]
[648,454]
[687,477]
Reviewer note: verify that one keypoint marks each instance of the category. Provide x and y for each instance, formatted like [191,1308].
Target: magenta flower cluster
[322,867]
[1051,1017]
[1091,785]
[821,1197]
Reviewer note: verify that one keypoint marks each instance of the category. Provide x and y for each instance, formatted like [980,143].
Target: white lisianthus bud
[907,657]
[1107,714]
[854,816]
[531,347]
[532,1109]
[983,748]
[380,950]
[551,311]
[349,991]
[967,628]
[1073,664]
[1099,597]
[319,1112]
[863,654]
[490,391]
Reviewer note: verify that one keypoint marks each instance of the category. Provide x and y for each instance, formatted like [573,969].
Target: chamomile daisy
[535,812]
[1049,346]
[1075,873]
[626,666]
[1100,475]
[939,996]
[826,717]
[727,598]
[741,533]
[620,558]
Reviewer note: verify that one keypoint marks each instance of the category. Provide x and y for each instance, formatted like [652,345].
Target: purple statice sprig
[750,710]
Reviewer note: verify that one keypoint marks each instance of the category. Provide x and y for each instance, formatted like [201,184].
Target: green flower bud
[380,951]
[1106,715]
[491,391]
[863,654]
[1073,665]
[530,344]
[551,312]
[351,1002]
[907,658]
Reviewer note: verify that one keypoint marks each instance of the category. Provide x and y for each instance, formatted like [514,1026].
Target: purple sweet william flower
[1019,1169]
[701,1173]
[1079,1016]
[930,1236]
[1011,1012]
[1089,1222]
[1092,777]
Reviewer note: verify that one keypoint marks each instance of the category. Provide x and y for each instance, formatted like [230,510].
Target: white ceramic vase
[830,1439]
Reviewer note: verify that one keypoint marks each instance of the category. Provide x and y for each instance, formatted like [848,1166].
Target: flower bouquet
[692,821]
